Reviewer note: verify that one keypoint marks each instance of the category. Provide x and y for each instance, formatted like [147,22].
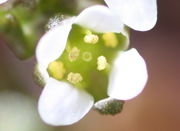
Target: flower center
[87,59]
[87,56]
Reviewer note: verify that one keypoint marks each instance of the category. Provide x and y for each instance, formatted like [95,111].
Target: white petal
[99,19]
[52,45]
[3,1]
[62,104]
[128,76]
[138,14]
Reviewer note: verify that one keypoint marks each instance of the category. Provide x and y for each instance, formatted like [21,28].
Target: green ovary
[87,60]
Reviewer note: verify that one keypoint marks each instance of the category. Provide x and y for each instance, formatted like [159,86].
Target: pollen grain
[101,63]
[74,78]
[110,39]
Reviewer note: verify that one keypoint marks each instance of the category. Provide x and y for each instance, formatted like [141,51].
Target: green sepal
[109,106]
[38,77]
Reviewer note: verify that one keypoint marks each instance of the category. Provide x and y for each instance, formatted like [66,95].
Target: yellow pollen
[91,39]
[110,40]
[101,63]
[74,78]
[87,56]
[56,69]
[73,54]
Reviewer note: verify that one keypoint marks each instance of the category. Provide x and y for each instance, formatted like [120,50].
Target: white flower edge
[140,15]
[128,75]
[52,45]
[49,48]
[62,104]
[99,19]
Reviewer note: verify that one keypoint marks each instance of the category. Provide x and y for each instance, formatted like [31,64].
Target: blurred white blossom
[18,113]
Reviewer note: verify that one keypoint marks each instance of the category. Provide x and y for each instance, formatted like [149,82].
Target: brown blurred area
[156,109]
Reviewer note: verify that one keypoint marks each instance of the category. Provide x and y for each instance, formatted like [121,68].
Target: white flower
[61,103]
[140,15]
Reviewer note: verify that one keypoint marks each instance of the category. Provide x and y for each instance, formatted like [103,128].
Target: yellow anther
[56,69]
[91,39]
[73,54]
[101,63]
[110,40]
[87,56]
[74,78]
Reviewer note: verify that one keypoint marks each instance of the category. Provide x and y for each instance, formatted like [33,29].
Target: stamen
[87,56]
[91,39]
[74,78]
[73,54]
[56,69]
[110,39]
[101,63]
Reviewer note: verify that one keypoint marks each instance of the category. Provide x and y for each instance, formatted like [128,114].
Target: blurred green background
[156,109]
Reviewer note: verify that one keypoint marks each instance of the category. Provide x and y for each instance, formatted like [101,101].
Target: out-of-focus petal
[52,45]
[128,76]
[99,19]
[3,1]
[138,14]
[62,104]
